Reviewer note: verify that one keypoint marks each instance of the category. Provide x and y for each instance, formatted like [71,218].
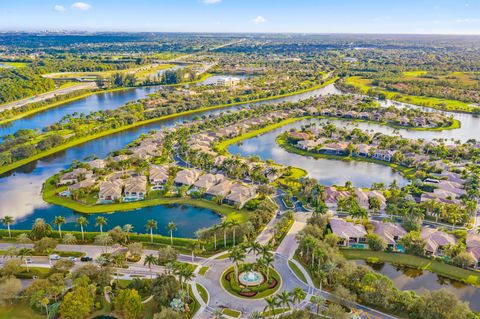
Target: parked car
[72,258]
[54,257]
[86,258]
[28,260]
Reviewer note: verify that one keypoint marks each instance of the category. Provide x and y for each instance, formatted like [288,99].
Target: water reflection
[418,280]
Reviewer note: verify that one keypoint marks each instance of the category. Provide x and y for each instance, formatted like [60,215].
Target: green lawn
[203,293]
[18,311]
[231,312]
[203,270]
[16,64]
[437,103]
[446,270]
[297,271]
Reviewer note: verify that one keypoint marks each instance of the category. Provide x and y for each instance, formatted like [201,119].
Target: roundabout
[251,284]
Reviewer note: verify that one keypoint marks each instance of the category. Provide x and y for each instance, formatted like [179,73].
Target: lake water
[20,190]
[406,278]
[328,172]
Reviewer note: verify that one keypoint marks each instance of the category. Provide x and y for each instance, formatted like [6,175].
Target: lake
[406,278]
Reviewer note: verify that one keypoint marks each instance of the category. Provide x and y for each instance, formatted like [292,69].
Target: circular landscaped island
[251,283]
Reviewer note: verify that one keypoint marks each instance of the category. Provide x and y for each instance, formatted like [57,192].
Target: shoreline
[88,138]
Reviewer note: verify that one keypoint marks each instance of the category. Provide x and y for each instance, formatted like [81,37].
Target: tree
[128,304]
[298,294]
[45,245]
[234,224]
[151,224]
[9,289]
[237,255]
[23,239]
[463,259]
[285,299]
[7,221]
[272,304]
[59,221]
[164,289]
[11,267]
[69,239]
[82,222]
[225,225]
[103,240]
[24,252]
[336,311]
[413,243]
[167,313]
[376,243]
[127,228]
[135,249]
[318,301]
[171,228]
[254,247]
[100,221]
[40,229]
[441,304]
[77,304]
[150,260]
[166,255]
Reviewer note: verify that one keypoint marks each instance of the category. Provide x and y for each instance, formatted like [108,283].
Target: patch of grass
[203,270]
[441,268]
[16,64]
[414,73]
[277,311]
[194,305]
[231,313]
[19,310]
[203,293]
[297,271]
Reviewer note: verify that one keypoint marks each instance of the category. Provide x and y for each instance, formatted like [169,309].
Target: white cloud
[210,1]
[259,20]
[81,6]
[59,8]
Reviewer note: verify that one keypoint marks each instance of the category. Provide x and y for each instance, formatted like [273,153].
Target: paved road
[48,95]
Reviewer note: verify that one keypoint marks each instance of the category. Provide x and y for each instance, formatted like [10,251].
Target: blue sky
[320,16]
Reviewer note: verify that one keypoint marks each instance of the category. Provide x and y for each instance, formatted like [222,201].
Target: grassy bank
[437,103]
[405,171]
[443,269]
[88,138]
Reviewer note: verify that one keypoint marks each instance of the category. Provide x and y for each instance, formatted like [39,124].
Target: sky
[294,16]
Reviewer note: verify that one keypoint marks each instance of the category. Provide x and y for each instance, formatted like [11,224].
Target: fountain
[251,278]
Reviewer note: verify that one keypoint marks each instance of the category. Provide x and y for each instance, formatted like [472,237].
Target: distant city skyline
[277,16]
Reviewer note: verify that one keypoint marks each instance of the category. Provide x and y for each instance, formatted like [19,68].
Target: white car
[72,258]
[28,260]
[54,257]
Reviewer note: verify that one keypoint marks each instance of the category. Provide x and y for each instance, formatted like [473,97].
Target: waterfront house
[334,149]
[404,121]
[186,177]
[120,158]
[383,155]
[240,194]
[390,232]
[98,163]
[473,247]
[298,135]
[110,191]
[74,176]
[436,240]
[363,150]
[311,111]
[363,116]
[380,197]
[158,175]
[307,144]
[135,188]
[206,181]
[362,197]
[326,112]
[220,190]
[82,184]
[332,195]
[349,233]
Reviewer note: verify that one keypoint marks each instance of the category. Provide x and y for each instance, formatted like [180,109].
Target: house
[349,233]
[307,144]
[135,188]
[186,177]
[383,155]
[334,149]
[311,111]
[240,194]
[83,184]
[298,135]
[120,158]
[74,176]
[436,240]
[206,181]
[380,197]
[473,247]
[158,175]
[390,232]
[363,150]
[110,191]
[362,197]
[98,163]
[332,195]
[220,190]
[363,116]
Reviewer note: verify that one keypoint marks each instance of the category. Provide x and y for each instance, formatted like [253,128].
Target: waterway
[418,280]
[20,190]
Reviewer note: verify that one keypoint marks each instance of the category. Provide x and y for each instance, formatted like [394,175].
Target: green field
[441,268]
[297,271]
[18,311]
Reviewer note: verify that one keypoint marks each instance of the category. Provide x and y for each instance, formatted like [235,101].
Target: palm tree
[11,252]
[100,221]
[23,239]
[218,314]
[225,225]
[127,228]
[151,224]
[23,252]
[285,299]
[104,240]
[298,295]
[266,251]
[82,221]
[272,304]
[171,228]
[45,301]
[214,229]
[237,255]
[150,260]
[255,315]
[234,223]
[59,221]
[318,301]
[187,273]
[7,221]
[254,247]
